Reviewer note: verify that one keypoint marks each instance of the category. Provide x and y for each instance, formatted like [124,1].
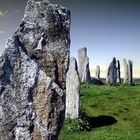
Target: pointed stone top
[114,60]
[97,66]
[130,61]
[118,64]
[124,61]
[83,49]
[73,63]
[82,52]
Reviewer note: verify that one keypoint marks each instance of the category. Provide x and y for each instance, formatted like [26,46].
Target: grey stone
[32,71]
[112,73]
[107,77]
[83,65]
[72,90]
[130,71]
[44,33]
[118,72]
[97,73]
[126,75]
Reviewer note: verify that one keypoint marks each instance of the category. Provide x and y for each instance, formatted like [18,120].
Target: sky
[108,28]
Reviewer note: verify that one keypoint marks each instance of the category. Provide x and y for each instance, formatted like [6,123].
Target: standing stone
[82,54]
[32,72]
[118,72]
[112,73]
[84,71]
[97,80]
[72,90]
[97,73]
[130,71]
[126,75]
[107,77]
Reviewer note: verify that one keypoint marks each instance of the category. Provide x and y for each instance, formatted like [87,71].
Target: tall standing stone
[97,73]
[112,73]
[83,67]
[130,71]
[118,72]
[32,72]
[126,75]
[107,76]
[72,90]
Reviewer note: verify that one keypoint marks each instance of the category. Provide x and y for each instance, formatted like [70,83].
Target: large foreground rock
[83,65]
[72,90]
[32,73]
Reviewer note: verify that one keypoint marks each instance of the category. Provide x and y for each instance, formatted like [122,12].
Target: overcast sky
[108,28]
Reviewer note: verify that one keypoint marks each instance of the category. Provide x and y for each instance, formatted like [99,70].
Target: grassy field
[114,113]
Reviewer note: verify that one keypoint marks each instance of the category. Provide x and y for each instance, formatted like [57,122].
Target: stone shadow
[101,121]
[96,81]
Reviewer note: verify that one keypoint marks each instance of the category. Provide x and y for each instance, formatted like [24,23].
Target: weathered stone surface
[97,72]
[118,72]
[32,73]
[44,33]
[126,75]
[112,73]
[72,90]
[83,65]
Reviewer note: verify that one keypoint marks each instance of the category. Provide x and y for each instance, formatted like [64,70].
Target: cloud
[16,11]
[6,12]
[3,13]
[1,32]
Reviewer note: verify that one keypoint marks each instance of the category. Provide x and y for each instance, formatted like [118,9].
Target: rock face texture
[72,90]
[97,73]
[118,72]
[83,66]
[126,75]
[112,73]
[32,73]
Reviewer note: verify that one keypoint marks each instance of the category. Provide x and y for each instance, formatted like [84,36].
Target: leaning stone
[72,90]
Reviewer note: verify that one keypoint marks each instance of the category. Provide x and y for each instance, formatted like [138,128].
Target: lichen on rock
[32,72]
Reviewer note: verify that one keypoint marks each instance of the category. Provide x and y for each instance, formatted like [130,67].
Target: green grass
[122,103]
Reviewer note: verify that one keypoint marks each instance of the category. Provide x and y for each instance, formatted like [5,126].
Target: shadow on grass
[95,122]
[87,123]
[101,121]
[96,81]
